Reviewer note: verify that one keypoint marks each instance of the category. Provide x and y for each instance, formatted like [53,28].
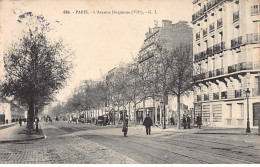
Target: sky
[100,41]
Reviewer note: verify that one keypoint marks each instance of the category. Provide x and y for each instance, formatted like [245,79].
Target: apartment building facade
[226,61]
[168,36]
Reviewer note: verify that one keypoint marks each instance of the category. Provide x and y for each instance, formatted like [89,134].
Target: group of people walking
[186,123]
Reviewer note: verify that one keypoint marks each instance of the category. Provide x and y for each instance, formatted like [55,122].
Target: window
[238,93]
[224,95]
[229,110]
[206,97]
[215,96]
[241,109]
[256,27]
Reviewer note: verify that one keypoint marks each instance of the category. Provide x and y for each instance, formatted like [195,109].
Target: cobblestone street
[82,143]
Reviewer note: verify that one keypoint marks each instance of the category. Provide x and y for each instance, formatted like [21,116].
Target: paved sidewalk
[203,130]
[17,133]
[3,126]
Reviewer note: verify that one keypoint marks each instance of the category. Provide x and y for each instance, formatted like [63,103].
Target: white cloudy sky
[101,42]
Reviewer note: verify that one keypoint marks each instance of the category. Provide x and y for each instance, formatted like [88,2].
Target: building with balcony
[168,36]
[226,61]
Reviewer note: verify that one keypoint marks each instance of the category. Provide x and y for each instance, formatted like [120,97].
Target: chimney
[166,23]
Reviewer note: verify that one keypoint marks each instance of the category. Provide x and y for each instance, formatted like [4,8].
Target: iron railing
[236,42]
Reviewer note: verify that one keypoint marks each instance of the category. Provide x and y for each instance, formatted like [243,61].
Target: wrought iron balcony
[235,16]
[212,73]
[200,76]
[211,27]
[205,32]
[210,51]
[218,48]
[219,71]
[200,56]
[206,7]
[213,3]
[199,13]
[237,42]
[247,39]
[244,66]
[252,38]
[219,23]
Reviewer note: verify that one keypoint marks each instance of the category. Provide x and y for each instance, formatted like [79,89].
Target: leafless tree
[176,74]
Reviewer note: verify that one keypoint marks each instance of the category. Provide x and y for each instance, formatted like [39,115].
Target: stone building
[168,36]
[226,61]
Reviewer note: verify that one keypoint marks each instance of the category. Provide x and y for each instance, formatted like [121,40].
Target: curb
[13,141]
[227,133]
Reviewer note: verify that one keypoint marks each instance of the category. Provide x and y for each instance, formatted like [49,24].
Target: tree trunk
[153,115]
[178,111]
[144,110]
[129,111]
[135,114]
[118,115]
[30,115]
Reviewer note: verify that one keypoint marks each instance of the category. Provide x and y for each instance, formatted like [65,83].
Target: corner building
[226,61]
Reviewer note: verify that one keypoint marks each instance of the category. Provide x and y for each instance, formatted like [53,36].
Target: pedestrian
[20,121]
[125,126]
[188,121]
[184,122]
[172,121]
[37,124]
[148,123]
[199,121]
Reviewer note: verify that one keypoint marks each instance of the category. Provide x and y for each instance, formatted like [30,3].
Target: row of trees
[162,74]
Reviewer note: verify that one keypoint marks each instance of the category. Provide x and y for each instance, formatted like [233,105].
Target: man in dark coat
[148,123]
[172,121]
[199,121]
[188,121]
[184,122]
[20,121]
[125,126]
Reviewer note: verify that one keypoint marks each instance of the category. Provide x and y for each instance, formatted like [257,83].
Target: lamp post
[248,123]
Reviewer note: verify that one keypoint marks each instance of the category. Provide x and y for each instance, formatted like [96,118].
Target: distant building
[226,61]
[10,111]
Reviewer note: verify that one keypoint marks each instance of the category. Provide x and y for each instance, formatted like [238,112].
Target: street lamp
[248,123]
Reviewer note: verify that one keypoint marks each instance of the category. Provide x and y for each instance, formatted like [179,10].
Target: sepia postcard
[129,82]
